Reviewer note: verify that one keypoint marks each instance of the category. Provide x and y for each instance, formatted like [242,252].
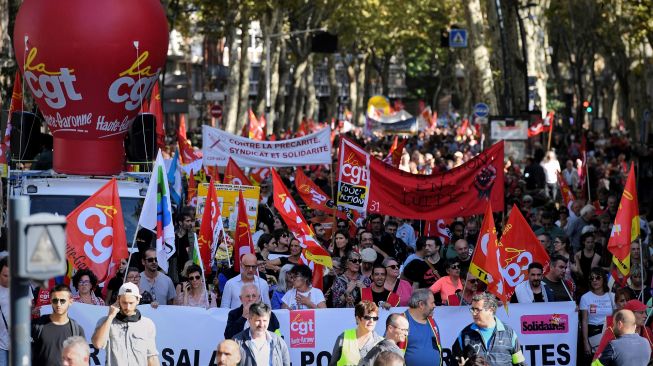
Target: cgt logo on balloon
[302,329]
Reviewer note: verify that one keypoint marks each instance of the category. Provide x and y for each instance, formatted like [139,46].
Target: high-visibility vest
[350,354]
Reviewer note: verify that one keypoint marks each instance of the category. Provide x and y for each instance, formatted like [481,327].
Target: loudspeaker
[324,42]
[25,136]
[141,139]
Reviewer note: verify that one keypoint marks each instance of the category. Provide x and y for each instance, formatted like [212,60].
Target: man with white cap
[128,337]
[368,257]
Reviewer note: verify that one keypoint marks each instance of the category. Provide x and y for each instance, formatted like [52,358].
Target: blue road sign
[458,38]
[481,110]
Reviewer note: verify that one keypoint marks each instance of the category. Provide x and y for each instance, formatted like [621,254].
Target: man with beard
[428,266]
[377,293]
[533,290]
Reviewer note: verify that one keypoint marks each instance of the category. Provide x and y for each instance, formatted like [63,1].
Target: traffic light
[588,106]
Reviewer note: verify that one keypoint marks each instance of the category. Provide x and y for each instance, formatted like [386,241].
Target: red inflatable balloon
[89,64]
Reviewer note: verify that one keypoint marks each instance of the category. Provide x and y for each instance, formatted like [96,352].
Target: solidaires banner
[218,146]
[188,336]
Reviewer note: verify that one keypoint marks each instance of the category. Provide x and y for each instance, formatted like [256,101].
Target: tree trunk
[281,122]
[481,74]
[353,85]
[245,71]
[292,111]
[515,59]
[311,103]
[269,25]
[363,88]
[232,94]
[334,89]
[537,44]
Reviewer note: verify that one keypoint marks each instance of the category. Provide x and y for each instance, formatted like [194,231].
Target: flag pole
[587,179]
[551,123]
[199,256]
[641,267]
[129,259]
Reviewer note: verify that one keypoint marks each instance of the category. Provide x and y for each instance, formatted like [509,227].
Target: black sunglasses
[60,301]
[354,260]
[367,317]
[195,277]
[151,260]
[393,266]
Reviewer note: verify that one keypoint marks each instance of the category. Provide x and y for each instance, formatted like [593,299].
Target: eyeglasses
[151,260]
[253,267]
[373,318]
[454,266]
[84,282]
[60,301]
[354,260]
[595,278]
[284,235]
[472,281]
[133,277]
[475,310]
[405,330]
[393,266]
[195,277]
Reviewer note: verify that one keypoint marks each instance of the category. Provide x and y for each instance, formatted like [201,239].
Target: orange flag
[518,248]
[256,127]
[157,110]
[244,244]
[181,132]
[485,260]
[567,194]
[315,198]
[626,225]
[258,175]
[192,190]
[210,219]
[233,174]
[95,233]
[292,216]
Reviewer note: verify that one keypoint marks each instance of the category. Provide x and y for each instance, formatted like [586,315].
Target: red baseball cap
[635,305]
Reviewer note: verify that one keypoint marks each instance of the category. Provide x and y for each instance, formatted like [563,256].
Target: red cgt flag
[157,110]
[518,248]
[95,233]
[210,218]
[626,225]
[315,198]
[486,257]
[244,244]
[191,200]
[567,194]
[233,174]
[292,216]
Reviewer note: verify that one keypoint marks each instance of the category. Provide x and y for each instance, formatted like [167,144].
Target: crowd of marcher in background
[385,262]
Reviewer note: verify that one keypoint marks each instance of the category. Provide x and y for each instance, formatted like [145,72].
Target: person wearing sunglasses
[85,282]
[470,289]
[156,283]
[193,292]
[342,290]
[396,330]
[402,289]
[595,305]
[50,331]
[488,336]
[448,285]
[352,345]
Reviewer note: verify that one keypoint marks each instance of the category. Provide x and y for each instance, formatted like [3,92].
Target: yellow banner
[228,198]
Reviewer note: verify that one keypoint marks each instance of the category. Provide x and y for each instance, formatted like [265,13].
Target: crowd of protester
[385,262]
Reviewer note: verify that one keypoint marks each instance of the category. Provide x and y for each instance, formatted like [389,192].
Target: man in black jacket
[50,331]
[237,319]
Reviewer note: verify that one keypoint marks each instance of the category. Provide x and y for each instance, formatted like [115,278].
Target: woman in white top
[595,305]
[193,292]
[303,295]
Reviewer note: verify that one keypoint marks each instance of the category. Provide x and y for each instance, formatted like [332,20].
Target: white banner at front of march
[189,336]
[218,146]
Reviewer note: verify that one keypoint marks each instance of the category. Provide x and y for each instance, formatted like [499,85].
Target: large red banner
[368,184]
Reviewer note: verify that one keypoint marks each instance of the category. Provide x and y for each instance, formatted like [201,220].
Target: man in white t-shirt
[303,295]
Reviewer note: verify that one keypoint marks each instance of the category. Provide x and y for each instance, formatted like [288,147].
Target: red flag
[292,216]
[368,184]
[210,217]
[626,225]
[157,110]
[192,190]
[233,174]
[303,128]
[95,233]
[255,127]
[315,198]
[440,229]
[518,248]
[567,194]
[258,175]
[211,172]
[243,240]
[541,125]
[486,257]
[181,132]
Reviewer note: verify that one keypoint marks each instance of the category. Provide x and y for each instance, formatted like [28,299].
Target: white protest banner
[188,336]
[218,146]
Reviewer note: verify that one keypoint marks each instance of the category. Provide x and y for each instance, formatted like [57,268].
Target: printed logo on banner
[544,324]
[302,329]
[354,177]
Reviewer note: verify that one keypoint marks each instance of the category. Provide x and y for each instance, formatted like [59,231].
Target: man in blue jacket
[258,346]
[487,336]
